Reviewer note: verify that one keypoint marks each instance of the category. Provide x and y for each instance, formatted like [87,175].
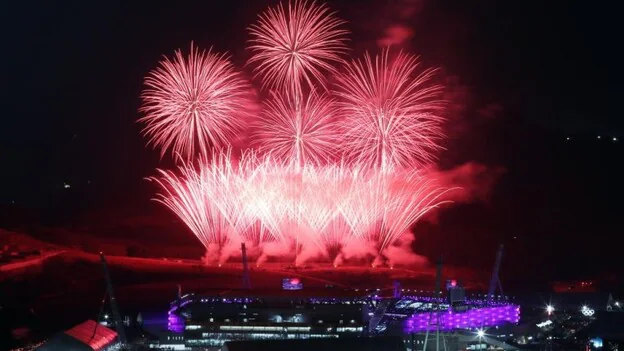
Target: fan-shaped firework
[323,206]
[294,46]
[302,132]
[392,112]
[192,104]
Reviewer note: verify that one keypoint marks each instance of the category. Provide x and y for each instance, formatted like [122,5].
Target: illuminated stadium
[211,320]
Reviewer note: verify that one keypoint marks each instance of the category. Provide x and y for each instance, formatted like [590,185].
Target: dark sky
[527,74]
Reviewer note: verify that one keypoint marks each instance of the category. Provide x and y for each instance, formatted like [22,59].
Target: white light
[567,138]
[67,186]
[599,137]
[615,139]
[550,309]
[480,333]
[586,311]
[617,303]
[105,316]
[544,324]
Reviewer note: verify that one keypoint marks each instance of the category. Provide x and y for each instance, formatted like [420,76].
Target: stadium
[294,312]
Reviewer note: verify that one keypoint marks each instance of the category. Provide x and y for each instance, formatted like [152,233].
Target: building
[87,336]
[211,320]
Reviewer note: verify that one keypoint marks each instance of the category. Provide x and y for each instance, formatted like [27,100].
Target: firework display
[332,170]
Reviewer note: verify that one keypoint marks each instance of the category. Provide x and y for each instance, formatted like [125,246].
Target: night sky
[524,77]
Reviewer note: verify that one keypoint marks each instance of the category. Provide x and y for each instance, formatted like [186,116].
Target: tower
[438,295]
[246,278]
[397,290]
[495,279]
[119,327]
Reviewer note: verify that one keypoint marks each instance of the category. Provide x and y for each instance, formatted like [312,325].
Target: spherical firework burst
[301,132]
[294,46]
[193,103]
[392,111]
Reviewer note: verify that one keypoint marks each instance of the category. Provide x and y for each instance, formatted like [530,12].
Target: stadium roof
[87,336]
[340,344]
[303,293]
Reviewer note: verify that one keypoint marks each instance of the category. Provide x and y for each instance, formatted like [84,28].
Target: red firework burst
[299,132]
[296,45]
[193,103]
[392,112]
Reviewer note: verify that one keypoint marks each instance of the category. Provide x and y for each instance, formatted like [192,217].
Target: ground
[56,292]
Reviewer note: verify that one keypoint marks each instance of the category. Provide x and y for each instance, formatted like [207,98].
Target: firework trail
[304,133]
[392,113]
[295,45]
[192,104]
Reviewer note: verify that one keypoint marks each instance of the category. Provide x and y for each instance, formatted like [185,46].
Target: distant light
[615,139]
[596,342]
[480,333]
[617,303]
[544,324]
[587,311]
[568,138]
[105,316]
[550,309]
[598,137]
[66,186]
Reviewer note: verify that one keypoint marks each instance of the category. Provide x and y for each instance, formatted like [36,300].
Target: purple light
[475,318]
[175,323]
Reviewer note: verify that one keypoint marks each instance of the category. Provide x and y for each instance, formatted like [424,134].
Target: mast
[121,333]
[495,280]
